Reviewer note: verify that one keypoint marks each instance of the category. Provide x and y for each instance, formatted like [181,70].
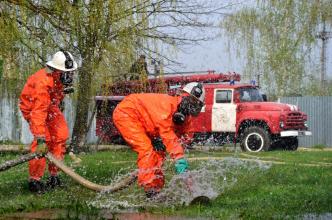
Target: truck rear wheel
[255,139]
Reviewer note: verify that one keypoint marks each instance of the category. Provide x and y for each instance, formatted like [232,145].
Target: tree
[279,38]
[105,36]
[1,69]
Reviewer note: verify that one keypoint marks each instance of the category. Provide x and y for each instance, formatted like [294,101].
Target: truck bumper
[295,133]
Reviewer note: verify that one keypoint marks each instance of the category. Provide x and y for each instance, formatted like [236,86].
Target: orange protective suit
[39,103]
[141,117]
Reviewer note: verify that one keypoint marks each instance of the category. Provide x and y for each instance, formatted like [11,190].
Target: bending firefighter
[39,103]
[150,122]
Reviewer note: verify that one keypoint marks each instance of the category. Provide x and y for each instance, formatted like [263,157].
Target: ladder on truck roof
[170,82]
[209,76]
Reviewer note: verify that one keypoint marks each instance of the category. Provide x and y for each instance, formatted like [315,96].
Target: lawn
[275,184]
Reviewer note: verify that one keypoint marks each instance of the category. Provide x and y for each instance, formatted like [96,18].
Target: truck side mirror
[264,97]
[237,97]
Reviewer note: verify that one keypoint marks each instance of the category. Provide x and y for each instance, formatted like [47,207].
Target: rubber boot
[151,193]
[52,182]
[36,186]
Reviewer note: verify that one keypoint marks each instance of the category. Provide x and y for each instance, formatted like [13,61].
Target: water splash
[124,201]
[209,179]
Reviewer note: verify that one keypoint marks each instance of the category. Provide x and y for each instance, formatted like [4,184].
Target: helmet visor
[195,106]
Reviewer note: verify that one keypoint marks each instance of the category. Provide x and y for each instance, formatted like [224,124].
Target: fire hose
[121,184]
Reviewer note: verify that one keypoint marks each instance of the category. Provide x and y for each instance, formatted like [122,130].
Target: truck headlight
[306,124]
[281,124]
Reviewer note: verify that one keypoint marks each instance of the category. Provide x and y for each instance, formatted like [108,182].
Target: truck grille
[295,120]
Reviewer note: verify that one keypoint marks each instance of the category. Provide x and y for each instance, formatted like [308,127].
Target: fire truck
[233,113]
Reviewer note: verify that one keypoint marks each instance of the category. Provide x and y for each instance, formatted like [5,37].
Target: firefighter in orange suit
[39,104]
[143,118]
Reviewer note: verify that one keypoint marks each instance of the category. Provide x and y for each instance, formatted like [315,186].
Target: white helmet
[196,90]
[62,60]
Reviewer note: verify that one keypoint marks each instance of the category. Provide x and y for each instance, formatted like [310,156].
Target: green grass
[284,190]
[319,146]
[9,142]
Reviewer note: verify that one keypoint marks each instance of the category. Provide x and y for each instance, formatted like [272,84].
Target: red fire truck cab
[233,112]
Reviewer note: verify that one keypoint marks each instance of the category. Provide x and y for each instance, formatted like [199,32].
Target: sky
[213,55]
[210,55]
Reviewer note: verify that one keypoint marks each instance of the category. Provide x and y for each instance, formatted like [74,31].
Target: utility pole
[258,80]
[324,36]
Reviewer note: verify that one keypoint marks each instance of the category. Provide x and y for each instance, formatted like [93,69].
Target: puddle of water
[210,179]
[107,214]
[104,214]
[145,216]
[42,214]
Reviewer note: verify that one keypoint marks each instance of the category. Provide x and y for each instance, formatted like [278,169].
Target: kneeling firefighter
[39,103]
[144,118]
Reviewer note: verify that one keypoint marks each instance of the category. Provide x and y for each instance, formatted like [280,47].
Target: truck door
[223,111]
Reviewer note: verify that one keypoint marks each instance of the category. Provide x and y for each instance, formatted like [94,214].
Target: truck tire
[255,139]
[291,143]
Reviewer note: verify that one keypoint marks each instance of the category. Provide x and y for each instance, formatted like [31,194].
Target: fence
[14,128]
[319,114]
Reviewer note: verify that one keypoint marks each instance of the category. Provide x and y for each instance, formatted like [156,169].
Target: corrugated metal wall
[13,127]
[319,111]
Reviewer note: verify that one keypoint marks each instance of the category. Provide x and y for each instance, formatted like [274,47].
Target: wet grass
[284,190]
[278,192]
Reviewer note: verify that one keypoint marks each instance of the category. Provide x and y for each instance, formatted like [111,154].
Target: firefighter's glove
[157,144]
[41,145]
[181,165]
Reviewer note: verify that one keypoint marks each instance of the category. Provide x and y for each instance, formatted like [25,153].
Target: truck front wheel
[255,139]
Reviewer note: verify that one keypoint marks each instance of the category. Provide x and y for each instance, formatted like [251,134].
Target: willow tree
[278,38]
[104,35]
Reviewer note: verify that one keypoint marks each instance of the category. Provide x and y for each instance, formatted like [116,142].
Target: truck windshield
[250,95]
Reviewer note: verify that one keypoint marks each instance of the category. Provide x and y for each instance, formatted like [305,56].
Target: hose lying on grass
[123,183]
[22,159]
